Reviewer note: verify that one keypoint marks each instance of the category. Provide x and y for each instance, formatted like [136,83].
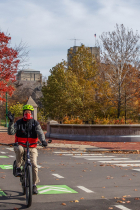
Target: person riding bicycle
[24,128]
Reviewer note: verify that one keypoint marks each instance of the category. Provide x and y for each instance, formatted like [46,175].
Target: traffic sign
[54,189]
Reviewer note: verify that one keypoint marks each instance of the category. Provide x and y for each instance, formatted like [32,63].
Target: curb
[86,149]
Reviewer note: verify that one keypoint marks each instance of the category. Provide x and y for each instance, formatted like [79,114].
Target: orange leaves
[8,66]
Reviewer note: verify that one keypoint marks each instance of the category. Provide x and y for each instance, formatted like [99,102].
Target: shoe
[35,191]
[18,172]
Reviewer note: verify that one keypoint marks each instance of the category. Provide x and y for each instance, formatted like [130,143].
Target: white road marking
[137,169]
[85,189]
[123,161]
[52,188]
[38,166]
[11,156]
[69,152]
[106,158]
[126,165]
[112,157]
[3,152]
[82,154]
[121,207]
[11,149]
[58,176]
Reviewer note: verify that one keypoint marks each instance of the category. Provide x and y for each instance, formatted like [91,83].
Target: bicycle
[26,173]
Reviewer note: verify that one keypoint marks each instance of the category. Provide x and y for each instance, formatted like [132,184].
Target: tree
[61,95]
[8,66]
[120,51]
[16,109]
[83,64]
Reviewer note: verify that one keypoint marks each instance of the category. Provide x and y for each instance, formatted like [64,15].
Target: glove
[10,116]
[44,143]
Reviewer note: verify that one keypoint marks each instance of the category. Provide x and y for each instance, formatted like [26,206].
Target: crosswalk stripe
[83,154]
[57,175]
[126,165]
[85,189]
[117,161]
[68,152]
[106,158]
[93,156]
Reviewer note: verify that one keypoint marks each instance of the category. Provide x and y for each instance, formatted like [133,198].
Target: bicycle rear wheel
[29,186]
[14,167]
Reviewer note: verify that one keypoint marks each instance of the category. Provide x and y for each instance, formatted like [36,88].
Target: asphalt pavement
[74,179]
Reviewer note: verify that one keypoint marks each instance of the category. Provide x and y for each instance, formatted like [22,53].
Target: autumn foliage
[8,66]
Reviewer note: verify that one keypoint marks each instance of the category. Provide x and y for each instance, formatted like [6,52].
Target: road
[75,180]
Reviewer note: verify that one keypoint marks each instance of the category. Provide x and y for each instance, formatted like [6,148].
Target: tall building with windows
[94,51]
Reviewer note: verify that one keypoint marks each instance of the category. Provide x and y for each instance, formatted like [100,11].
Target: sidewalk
[6,139]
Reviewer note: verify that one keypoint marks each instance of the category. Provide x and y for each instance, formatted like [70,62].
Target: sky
[48,26]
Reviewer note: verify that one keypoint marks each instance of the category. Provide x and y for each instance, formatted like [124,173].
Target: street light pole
[6,112]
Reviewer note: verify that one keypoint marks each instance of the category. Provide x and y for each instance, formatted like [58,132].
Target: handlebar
[39,143]
[17,143]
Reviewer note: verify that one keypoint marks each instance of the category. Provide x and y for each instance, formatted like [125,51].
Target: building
[94,51]
[29,75]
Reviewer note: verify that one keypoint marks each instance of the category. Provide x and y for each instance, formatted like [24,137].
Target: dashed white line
[57,175]
[11,149]
[122,207]
[38,166]
[137,169]
[85,189]
[3,152]
[11,156]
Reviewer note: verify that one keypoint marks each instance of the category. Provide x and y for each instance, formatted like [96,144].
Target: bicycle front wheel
[29,186]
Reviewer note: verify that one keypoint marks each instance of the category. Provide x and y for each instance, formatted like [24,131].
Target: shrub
[67,120]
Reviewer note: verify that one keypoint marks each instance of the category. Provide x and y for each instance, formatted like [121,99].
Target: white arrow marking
[3,157]
[53,188]
[8,167]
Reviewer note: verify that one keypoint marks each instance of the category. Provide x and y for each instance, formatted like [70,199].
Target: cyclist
[23,128]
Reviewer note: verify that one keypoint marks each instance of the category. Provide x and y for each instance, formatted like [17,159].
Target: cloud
[47,26]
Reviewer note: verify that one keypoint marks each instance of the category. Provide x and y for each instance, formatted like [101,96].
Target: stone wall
[113,133]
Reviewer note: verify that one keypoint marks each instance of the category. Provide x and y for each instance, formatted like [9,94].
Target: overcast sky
[48,25]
